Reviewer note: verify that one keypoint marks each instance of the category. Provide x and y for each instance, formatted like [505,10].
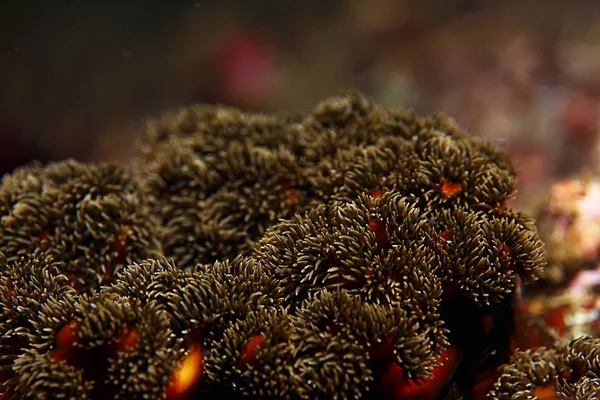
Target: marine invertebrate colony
[89,217]
[567,372]
[348,252]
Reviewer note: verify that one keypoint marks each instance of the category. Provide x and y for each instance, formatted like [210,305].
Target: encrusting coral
[348,252]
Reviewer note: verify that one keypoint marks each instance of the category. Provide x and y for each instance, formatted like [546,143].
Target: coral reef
[566,296]
[348,252]
[569,223]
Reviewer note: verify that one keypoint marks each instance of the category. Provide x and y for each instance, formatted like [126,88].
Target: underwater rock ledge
[349,252]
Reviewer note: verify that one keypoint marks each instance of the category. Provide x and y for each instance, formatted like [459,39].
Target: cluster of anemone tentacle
[351,251]
[568,371]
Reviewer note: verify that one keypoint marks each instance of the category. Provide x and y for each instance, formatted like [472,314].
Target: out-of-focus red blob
[545,393]
[377,193]
[395,386]
[187,375]
[556,318]
[67,335]
[247,70]
[382,351]
[128,339]
[65,338]
[252,347]
[449,189]
[381,237]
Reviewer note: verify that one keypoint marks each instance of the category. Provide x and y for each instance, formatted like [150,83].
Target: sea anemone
[90,218]
[352,251]
[565,372]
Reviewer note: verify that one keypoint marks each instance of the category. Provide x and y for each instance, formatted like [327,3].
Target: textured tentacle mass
[348,252]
